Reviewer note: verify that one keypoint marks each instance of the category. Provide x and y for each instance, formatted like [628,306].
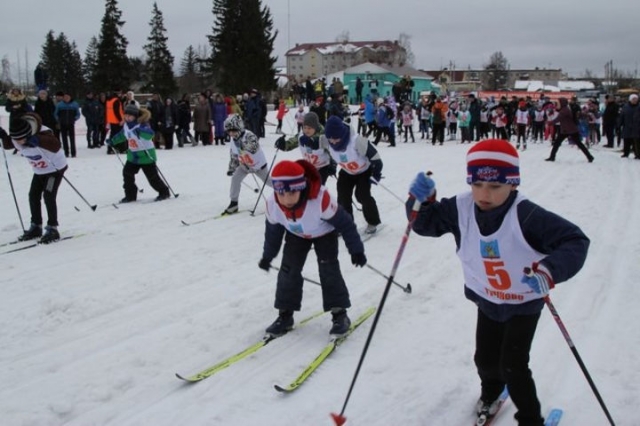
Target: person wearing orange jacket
[114,114]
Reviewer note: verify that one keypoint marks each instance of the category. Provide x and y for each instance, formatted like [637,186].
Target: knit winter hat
[493,160]
[337,129]
[311,120]
[288,176]
[132,109]
[19,129]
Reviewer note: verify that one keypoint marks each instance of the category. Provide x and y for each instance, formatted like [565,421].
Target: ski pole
[13,192]
[166,182]
[248,186]
[252,212]
[340,419]
[303,277]
[257,184]
[92,207]
[390,192]
[406,289]
[565,333]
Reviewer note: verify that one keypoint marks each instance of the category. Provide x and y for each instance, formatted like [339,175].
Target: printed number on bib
[496,274]
[246,159]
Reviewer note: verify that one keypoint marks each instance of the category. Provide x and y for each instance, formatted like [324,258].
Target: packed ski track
[93,329]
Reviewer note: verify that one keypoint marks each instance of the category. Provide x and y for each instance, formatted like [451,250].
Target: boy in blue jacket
[499,234]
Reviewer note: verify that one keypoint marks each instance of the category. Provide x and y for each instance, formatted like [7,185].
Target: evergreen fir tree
[189,78]
[90,61]
[112,64]
[62,61]
[242,44]
[160,60]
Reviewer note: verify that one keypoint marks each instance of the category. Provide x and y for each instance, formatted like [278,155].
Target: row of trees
[241,29]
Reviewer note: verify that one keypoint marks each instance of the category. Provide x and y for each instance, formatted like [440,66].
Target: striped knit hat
[288,176]
[493,160]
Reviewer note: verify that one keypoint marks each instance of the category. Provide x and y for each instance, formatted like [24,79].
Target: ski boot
[340,322]
[281,325]
[51,234]
[35,231]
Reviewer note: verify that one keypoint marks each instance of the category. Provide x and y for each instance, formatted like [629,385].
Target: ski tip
[338,419]
[76,207]
[184,223]
[280,388]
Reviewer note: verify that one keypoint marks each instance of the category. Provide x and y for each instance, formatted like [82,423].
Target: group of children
[513,252]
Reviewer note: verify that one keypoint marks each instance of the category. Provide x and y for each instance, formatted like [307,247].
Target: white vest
[311,223]
[42,161]
[318,157]
[135,143]
[493,265]
[252,161]
[349,159]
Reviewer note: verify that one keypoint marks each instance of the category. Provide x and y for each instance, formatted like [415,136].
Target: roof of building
[343,47]
[369,67]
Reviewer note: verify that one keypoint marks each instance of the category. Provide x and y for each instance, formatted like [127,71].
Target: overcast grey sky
[573,35]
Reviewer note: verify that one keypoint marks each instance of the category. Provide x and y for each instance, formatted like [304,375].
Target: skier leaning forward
[246,157]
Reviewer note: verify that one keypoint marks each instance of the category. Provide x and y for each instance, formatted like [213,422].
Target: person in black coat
[184,121]
[92,111]
[45,108]
[169,123]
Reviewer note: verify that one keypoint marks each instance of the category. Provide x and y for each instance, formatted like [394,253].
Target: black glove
[230,172]
[333,168]
[281,143]
[264,264]
[359,259]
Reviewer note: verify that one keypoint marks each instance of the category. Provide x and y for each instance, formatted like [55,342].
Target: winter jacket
[16,105]
[563,243]
[144,133]
[202,118]
[45,109]
[67,113]
[92,111]
[341,221]
[630,121]
[566,119]
[219,111]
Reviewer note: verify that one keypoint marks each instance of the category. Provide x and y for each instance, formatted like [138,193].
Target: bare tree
[496,72]
[343,37]
[404,40]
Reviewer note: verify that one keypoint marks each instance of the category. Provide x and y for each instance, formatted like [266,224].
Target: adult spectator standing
[101,119]
[114,114]
[130,99]
[610,120]
[319,109]
[202,121]
[253,112]
[218,115]
[184,121]
[41,77]
[359,87]
[16,104]
[67,113]
[156,108]
[169,122]
[91,110]
[568,130]
[630,122]
[474,113]
[45,108]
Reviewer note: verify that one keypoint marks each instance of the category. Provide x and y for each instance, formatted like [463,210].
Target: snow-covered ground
[93,329]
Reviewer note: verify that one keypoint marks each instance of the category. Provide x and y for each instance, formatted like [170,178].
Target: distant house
[315,60]
[386,76]
[481,79]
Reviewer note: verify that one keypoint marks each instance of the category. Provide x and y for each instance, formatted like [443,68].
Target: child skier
[44,152]
[498,233]
[246,157]
[309,214]
[313,145]
[136,138]
[360,166]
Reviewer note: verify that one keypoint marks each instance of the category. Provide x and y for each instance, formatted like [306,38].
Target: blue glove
[359,259]
[422,187]
[538,278]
